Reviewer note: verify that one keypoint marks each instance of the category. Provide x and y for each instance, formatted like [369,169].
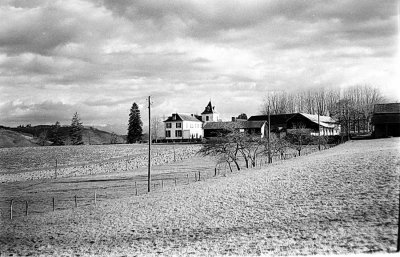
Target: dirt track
[342,200]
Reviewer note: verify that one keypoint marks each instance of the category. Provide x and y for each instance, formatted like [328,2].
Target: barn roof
[276,119]
[233,125]
[387,108]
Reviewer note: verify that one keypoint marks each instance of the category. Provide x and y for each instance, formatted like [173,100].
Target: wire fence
[70,193]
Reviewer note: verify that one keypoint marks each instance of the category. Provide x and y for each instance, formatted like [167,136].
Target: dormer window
[207,118]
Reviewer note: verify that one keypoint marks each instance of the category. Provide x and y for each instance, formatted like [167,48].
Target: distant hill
[10,138]
[30,136]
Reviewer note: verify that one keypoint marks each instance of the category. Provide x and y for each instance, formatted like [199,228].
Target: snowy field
[338,201]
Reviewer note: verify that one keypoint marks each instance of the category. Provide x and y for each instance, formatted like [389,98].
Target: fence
[92,191]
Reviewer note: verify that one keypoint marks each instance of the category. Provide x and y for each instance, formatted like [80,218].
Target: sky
[98,57]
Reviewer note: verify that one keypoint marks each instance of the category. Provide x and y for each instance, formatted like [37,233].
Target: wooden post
[199,176]
[398,229]
[54,204]
[149,164]
[187,175]
[215,172]
[26,208]
[76,203]
[136,192]
[55,171]
[11,209]
[95,198]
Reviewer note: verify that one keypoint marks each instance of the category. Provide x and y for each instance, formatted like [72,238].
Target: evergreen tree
[55,134]
[135,125]
[76,130]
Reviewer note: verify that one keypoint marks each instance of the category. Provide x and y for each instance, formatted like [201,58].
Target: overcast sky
[98,57]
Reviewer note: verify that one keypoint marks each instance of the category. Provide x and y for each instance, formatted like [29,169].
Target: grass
[339,201]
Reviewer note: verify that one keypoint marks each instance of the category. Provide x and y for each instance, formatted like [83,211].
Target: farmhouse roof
[209,109]
[324,121]
[182,117]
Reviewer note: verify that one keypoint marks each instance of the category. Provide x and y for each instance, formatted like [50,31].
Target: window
[178,133]
[191,125]
[168,133]
[179,125]
[168,125]
[207,118]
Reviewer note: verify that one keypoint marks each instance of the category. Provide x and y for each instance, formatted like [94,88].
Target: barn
[386,120]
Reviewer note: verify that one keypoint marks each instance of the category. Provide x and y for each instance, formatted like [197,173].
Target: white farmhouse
[183,126]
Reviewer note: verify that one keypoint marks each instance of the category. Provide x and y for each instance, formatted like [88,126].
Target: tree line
[351,106]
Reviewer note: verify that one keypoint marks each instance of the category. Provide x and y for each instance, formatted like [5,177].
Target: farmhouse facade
[183,126]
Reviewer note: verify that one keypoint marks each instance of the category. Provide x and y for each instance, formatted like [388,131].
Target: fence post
[76,203]
[136,192]
[11,209]
[26,208]
[215,172]
[54,204]
[95,198]
[55,171]
[199,176]
[187,175]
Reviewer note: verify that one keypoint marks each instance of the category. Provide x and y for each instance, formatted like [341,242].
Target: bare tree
[157,127]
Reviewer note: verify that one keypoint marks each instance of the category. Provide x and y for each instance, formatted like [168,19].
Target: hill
[44,134]
[10,138]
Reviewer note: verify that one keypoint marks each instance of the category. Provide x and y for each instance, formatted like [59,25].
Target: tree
[299,138]
[76,130]
[242,116]
[55,135]
[42,140]
[157,128]
[135,131]
[113,138]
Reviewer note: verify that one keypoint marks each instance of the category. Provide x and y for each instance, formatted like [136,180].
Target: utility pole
[319,133]
[269,137]
[149,164]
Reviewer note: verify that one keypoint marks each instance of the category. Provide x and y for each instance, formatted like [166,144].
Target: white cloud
[97,57]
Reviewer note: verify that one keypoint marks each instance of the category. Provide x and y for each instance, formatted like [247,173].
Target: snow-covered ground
[342,200]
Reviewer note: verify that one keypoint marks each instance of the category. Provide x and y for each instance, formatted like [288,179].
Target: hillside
[339,201]
[10,138]
[28,136]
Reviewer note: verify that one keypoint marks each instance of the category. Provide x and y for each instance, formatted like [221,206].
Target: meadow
[341,200]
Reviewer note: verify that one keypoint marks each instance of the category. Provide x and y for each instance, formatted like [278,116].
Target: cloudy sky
[98,57]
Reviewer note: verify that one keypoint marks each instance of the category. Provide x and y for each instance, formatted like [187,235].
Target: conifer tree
[76,130]
[134,125]
[55,135]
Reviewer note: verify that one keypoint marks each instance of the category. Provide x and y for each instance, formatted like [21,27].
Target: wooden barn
[386,120]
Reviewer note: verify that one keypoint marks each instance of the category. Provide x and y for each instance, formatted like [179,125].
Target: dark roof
[182,117]
[385,118]
[233,125]
[276,119]
[209,109]
[387,108]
